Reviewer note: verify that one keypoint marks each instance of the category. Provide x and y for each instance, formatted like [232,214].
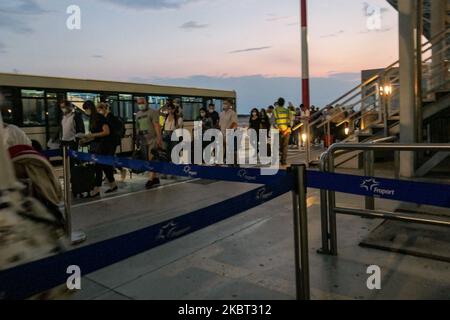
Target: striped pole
[305,54]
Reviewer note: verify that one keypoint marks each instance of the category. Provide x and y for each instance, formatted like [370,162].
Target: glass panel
[6,105]
[156,103]
[54,114]
[33,112]
[78,98]
[191,108]
[51,95]
[127,112]
[33,94]
[125,97]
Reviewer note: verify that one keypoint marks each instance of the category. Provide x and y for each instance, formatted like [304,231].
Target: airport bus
[32,102]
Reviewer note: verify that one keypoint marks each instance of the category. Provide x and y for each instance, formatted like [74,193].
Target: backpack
[79,123]
[117,126]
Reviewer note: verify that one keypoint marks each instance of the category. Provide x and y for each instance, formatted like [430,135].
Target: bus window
[53,113]
[33,108]
[126,106]
[157,103]
[113,102]
[7,106]
[191,108]
[79,98]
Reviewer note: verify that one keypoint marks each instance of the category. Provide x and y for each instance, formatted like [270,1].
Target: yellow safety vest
[282,119]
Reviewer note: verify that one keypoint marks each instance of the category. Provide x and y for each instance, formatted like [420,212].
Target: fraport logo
[244,175]
[188,170]
[372,185]
[170,231]
[263,194]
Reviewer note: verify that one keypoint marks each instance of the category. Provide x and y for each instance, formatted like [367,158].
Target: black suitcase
[82,179]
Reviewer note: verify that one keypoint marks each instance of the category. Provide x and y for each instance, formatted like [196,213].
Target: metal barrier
[26,280]
[76,237]
[328,197]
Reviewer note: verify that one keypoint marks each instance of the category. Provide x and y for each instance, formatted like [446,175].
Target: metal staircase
[370,111]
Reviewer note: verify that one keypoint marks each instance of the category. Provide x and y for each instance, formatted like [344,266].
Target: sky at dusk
[251,46]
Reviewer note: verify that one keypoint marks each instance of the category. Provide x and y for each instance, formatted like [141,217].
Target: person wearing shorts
[149,135]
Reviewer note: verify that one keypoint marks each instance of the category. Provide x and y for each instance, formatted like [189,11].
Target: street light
[347,129]
[385,93]
[386,90]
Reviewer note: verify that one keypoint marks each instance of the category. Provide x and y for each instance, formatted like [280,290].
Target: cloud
[193,25]
[250,49]
[261,91]
[333,35]
[97,56]
[12,12]
[21,7]
[151,4]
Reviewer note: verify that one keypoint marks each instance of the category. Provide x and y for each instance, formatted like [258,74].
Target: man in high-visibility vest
[283,124]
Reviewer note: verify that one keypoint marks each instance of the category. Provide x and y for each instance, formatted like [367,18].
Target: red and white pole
[305,54]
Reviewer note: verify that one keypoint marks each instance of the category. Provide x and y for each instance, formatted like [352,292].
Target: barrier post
[77,236]
[324,215]
[299,195]
[369,159]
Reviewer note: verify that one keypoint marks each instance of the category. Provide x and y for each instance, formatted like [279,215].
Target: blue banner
[401,190]
[233,174]
[26,280]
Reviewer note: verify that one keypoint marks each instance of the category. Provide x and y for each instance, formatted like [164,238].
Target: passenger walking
[205,119]
[255,124]
[282,123]
[270,114]
[266,125]
[149,137]
[117,127]
[207,123]
[228,121]
[214,115]
[172,122]
[100,142]
[72,125]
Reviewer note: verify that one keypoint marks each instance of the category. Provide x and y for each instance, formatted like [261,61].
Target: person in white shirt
[72,125]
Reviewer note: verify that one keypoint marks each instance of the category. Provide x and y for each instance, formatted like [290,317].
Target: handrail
[388,68]
[328,198]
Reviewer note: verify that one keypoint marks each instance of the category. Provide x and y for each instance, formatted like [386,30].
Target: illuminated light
[9,110]
[386,90]
[304,137]
[347,131]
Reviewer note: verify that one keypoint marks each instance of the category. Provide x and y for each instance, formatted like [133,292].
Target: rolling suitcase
[82,179]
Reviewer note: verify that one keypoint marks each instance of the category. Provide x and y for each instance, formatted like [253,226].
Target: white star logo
[369,184]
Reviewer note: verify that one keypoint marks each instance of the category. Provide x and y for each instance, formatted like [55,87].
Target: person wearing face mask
[229,121]
[72,125]
[149,137]
[100,142]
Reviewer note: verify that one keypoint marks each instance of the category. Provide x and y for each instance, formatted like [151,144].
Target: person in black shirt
[255,124]
[101,142]
[214,115]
